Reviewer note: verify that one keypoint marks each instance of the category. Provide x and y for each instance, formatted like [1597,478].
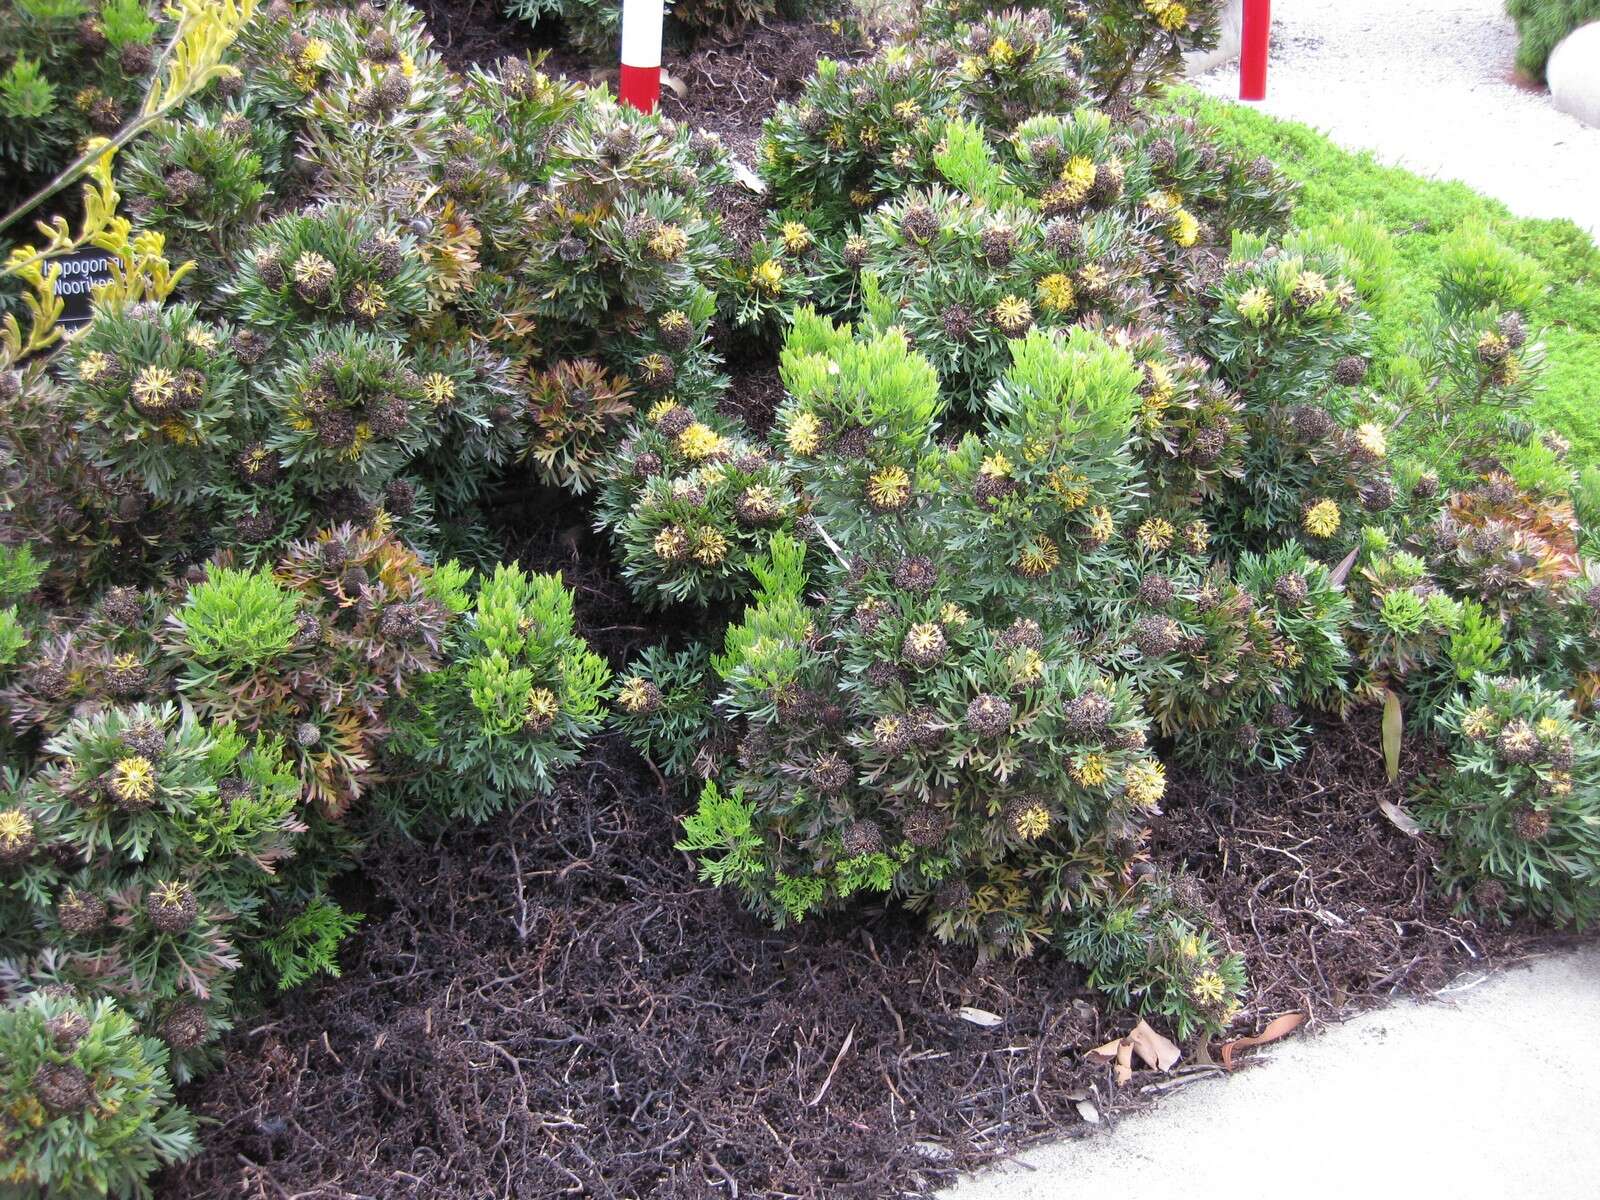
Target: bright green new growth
[308,943]
[239,618]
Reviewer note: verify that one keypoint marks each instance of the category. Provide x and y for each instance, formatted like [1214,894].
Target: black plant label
[81,272]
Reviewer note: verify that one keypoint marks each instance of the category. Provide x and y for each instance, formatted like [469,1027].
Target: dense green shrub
[86,1100]
[69,69]
[1518,811]
[1541,26]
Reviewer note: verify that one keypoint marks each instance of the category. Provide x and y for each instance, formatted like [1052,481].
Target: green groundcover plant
[1095,459]
[1541,26]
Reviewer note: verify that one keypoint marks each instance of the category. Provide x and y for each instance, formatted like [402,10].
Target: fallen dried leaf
[1088,1111]
[1119,1051]
[1154,1051]
[1401,819]
[1276,1028]
[978,1016]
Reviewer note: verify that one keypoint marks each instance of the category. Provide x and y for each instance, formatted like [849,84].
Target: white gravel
[1427,85]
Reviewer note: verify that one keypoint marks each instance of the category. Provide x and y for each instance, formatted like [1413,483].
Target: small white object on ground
[1427,85]
[1574,74]
[1491,1091]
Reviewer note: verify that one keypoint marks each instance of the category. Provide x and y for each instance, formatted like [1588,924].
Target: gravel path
[1427,85]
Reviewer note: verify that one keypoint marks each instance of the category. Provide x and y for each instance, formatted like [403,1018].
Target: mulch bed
[553,1004]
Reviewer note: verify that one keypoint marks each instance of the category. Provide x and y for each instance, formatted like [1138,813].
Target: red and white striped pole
[1257,34]
[640,84]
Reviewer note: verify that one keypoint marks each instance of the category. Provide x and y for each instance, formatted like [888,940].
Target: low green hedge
[1541,24]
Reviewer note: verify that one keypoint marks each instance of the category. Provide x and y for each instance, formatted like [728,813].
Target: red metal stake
[1253,49]
[640,81]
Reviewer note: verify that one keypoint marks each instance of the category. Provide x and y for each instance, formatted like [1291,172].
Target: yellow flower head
[1255,305]
[94,366]
[710,547]
[1002,53]
[133,780]
[1077,178]
[700,441]
[200,337]
[996,466]
[1209,988]
[796,237]
[313,270]
[1155,533]
[1032,821]
[1027,666]
[804,434]
[907,110]
[1102,526]
[1039,557]
[924,638]
[861,198]
[1190,946]
[539,713]
[1056,293]
[668,242]
[1089,770]
[671,544]
[1321,519]
[767,277]
[636,695]
[660,409]
[155,388]
[1478,722]
[368,300]
[1069,487]
[953,614]
[1370,437]
[1013,315]
[16,831]
[1145,783]
[439,389]
[1196,537]
[889,490]
[1185,228]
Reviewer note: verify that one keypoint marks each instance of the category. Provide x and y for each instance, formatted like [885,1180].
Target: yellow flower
[439,389]
[1370,437]
[94,365]
[660,409]
[1209,988]
[1013,315]
[1185,228]
[889,490]
[1077,178]
[767,277]
[1145,783]
[835,138]
[671,544]
[1196,537]
[1102,527]
[200,337]
[155,387]
[635,695]
[996,466]
[1190,946]
[953,614]
[1039,557]
[668,242]
[1478,722]
[860,197]
[1548,727]
[312,269]
[1002,53]
[925,638]
[1173,17]
[710,547]
[133,780]
[1027,666]
[795,236]
[907,110]
[1089,770]
[540,711]
[1032,822]
[1056,293]
[1156,533]
[1255,305]
[16,831]
[700,441]
[368,300]
[1070,488]
[804,434]
[1321,519]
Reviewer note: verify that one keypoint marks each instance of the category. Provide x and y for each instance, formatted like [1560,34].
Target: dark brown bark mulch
[553,1005]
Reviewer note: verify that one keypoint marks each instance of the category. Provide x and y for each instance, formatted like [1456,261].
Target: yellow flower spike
[804,434]
[1321,519]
